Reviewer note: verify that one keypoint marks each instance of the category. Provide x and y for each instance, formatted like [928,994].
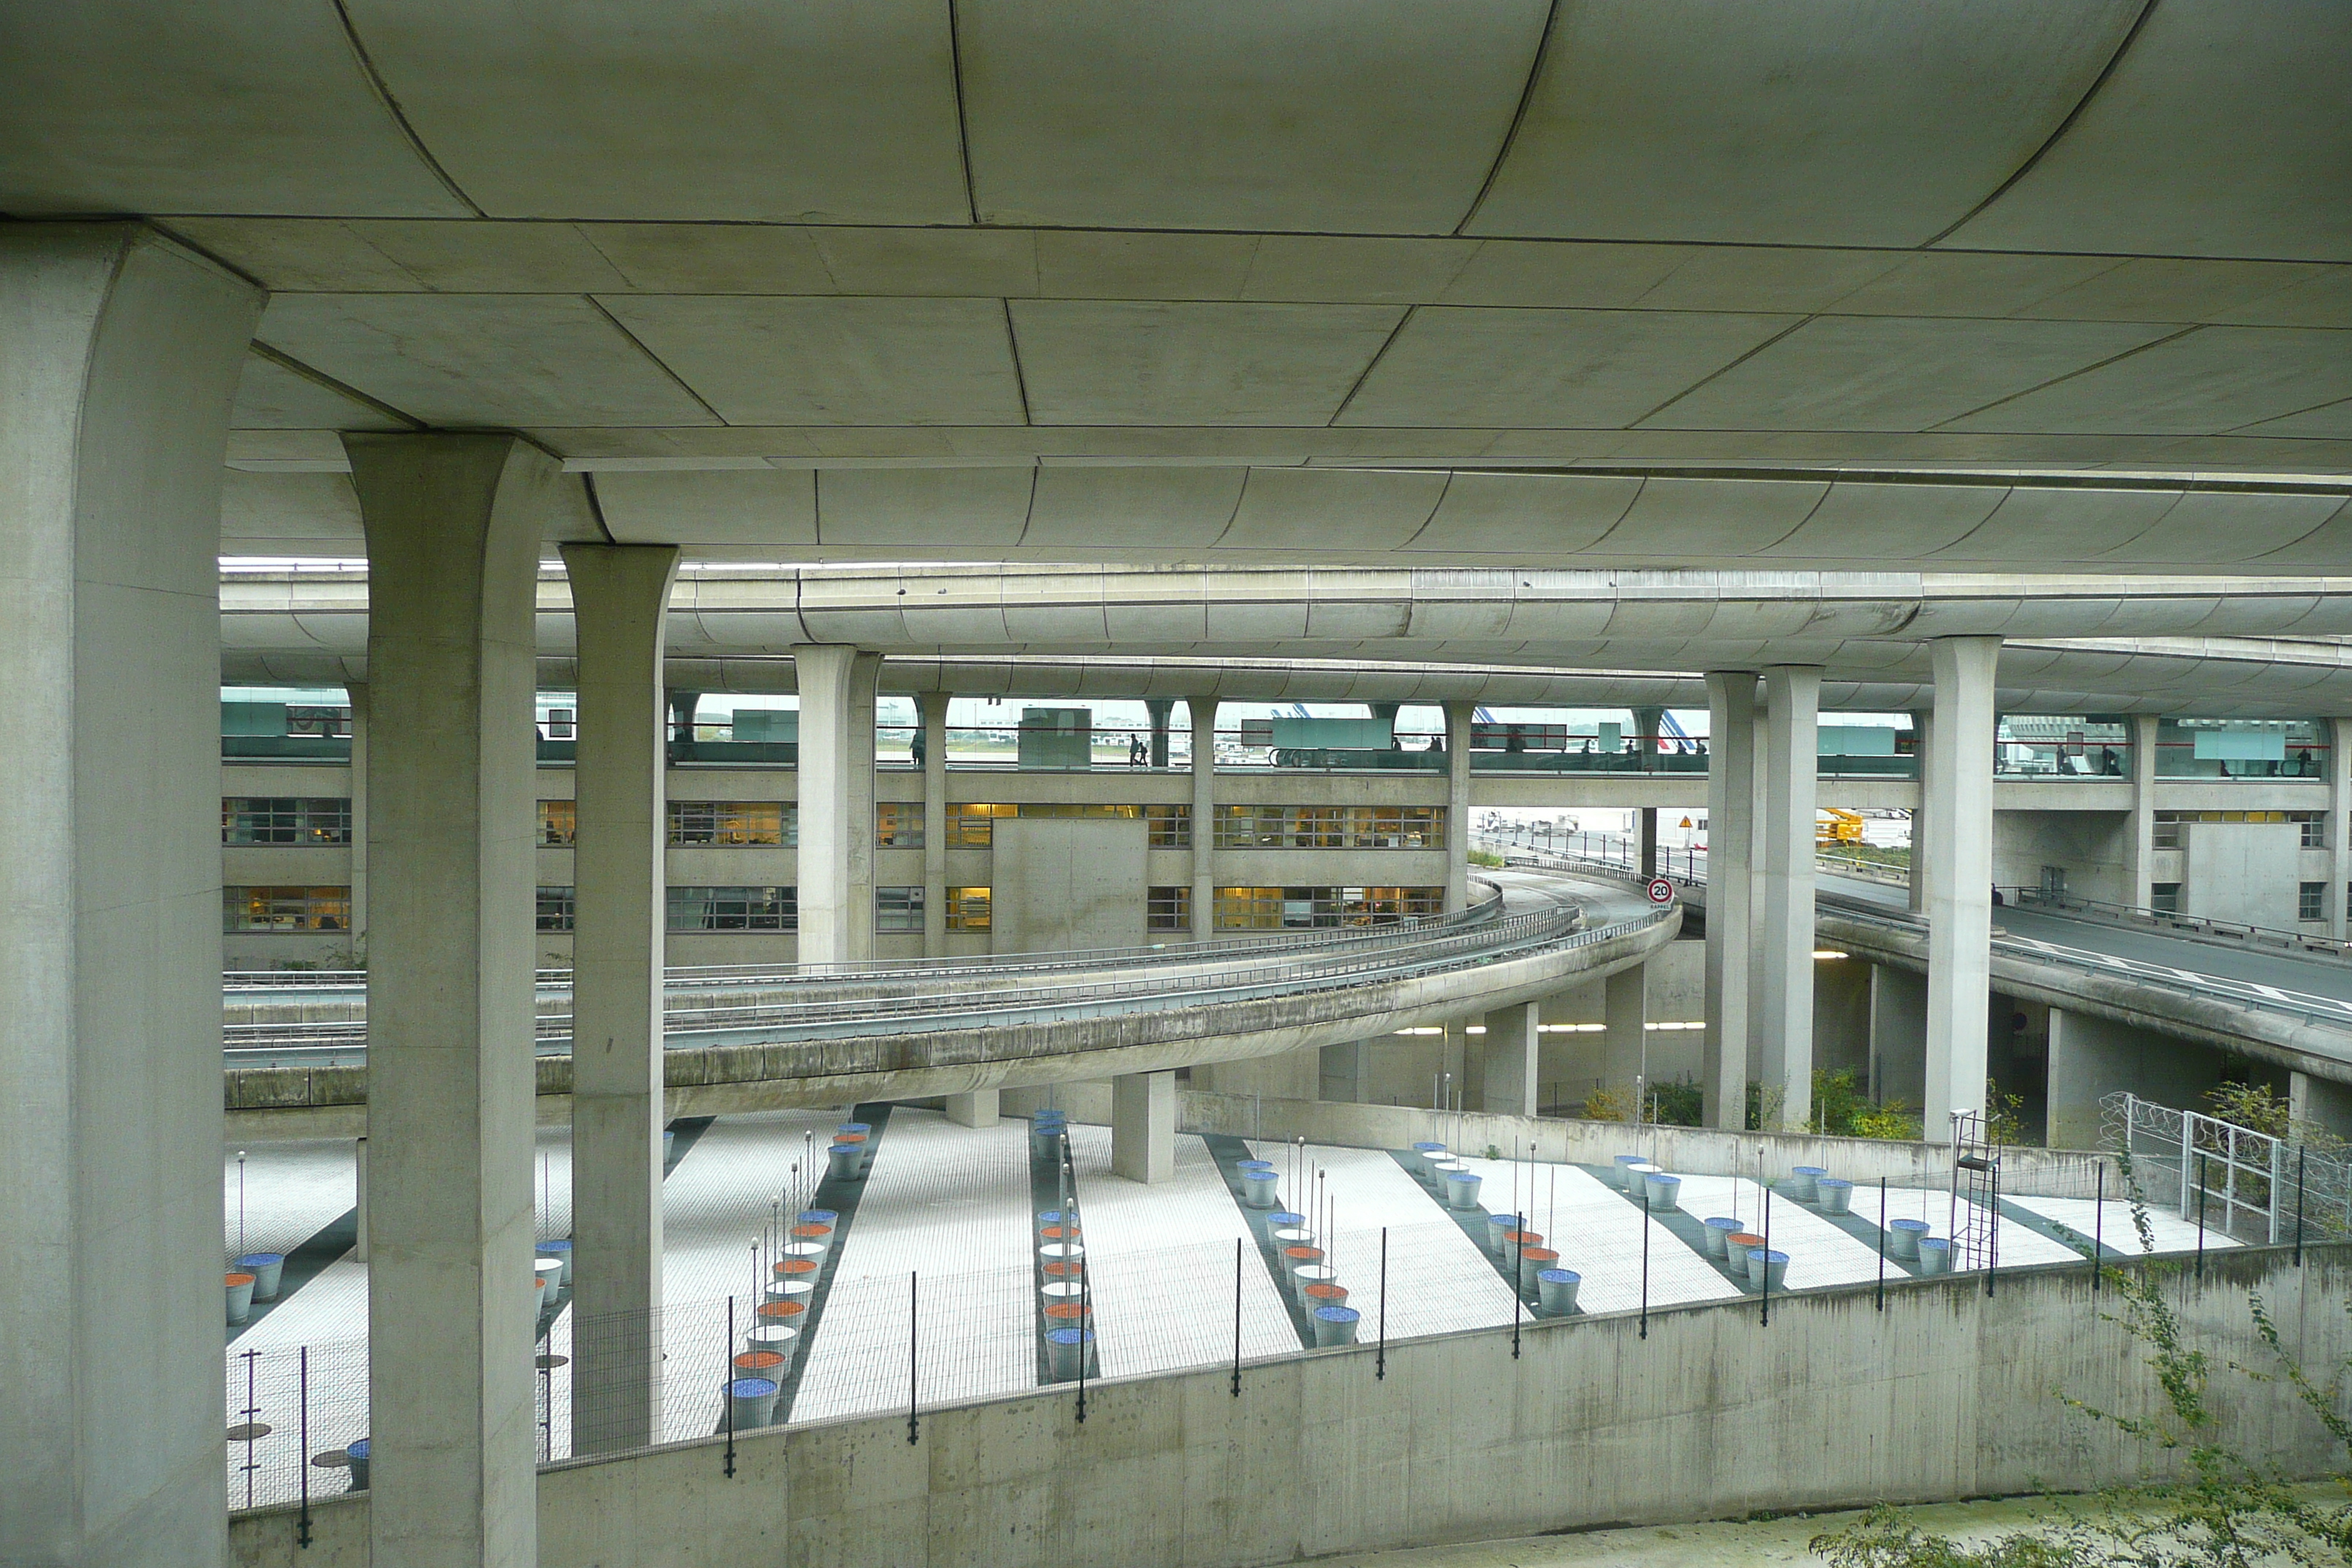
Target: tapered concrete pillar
[977,1109]
[1730,837]
[620,594]
[1203,711]
[1457,806]
[119,354]
[934,708]
[1158,707]
[1923,739]
[825,673]
[2339,824]
[859,929]
[357,693]
[1625,1047]
[1785,919]
[1507,1087]
[1959,906]
[1143,1126]
[453,529]
[2140,846]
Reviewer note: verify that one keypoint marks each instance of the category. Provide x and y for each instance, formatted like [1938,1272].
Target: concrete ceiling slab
[951,512]
[1590,276]
[2210,380]
[1682,519]
[1114,362]
[1899,522]
[842,111]
[2329,421]
[2176,289]
[1965,283]
[768,506]
[259,511]
[1317,116]
[2324,301]
[2217,528]
[1288,509]
[1355,270]
[1847,122]
[1892,373]
[271,397]
[1079,264]
[145,106]
[481,359]
[1487,514]
[789,360]
[1589,369]
[1118,509]
[2216,128]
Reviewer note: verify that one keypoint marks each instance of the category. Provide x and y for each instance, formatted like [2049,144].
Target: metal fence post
[727,1384]
[1237,1317]
[2201,1216]
[1380,1360]
[302,1519]
[914,1429]
[1642,1219]
[1767,1256]
[2302,1154]
[2099,1230]
[1882,1244]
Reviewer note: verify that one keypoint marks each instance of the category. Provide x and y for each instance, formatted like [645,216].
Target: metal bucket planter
[240,1297]
[1292,1235]
[1766,1271]
[795,1269]
[1057,1233]
[1046,1137]
[776,1339]
[1556,1291]
[267,1268]
[1836,1194]
[1336,1326]
[1065,1268]
[862,1143]
[1056,1216]
[801,1290]
[842,1162]
[1441,1171]
[809,1252]
[1303,1280]
[1499,1226]
[1736,1248]
[1258,1188]
[669,1146]
[561,1252]
[1063,1252]
[1903,1240]
[1624,1160]
[1069,1315]
[358,1454]
[1717,1229]
[1063,1292]
[1462,1189]
[1295,1258]
[1665,1192]
[1326,1293]
[1285,1218]
[549,1272]
[1804,1183]
[768,1364]
[780,1314]
[825,1217]
[1934,1255]
[1533,1263]
[1636,1173]
[1063,1349]
[1424,1156]
[1253,1165]
[753,1401]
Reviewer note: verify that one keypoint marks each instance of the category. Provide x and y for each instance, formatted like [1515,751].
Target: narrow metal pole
[2099,1231]
[1237,1317]
[913,1322]
[302,1521]
[2200,1215]
[1992,1226]
[1380,1360]
[1882,1244]
[1642,1219]
[2302,1154]
[1767,1258]
[727,1387]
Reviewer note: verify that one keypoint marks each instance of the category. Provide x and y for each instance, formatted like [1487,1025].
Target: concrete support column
[1730,839]
[1785,917]
[2339,824]
[357,693]
[1923,732]
[1507,1086]
[1625,1048]
[862,700]
[1457,806]
[360,1177]
[934,707]
[978,1108]
[1204,714]
[825,673]
[1959,908]
[1143,1126]
[1158,707]
[120,354]
[620,596]
[1898,1035]
[2140,846]
[2318,1102]
[453,530]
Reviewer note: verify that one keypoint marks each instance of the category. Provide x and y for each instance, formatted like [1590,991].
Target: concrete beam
[934,706]
[1730,848]
[1960,904]
[1143,1126]
[620,595]
[1785,917]
[1507,1087]
[978,1108]
[826,673]
[1626,1047]
[1457,806]
[1203,713]
[119,355]
[452,531]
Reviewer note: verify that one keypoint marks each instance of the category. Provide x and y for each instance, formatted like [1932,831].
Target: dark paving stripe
[688,1129]
[1229,1152]
[1685,1227]
[1862,1231]
[841,1197]
[1045,1191]
[1474,1225]
[2064,1235]
[303,1265]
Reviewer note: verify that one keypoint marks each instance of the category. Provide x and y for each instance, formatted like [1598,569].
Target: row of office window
[2310,900]
[720,822]
[1294,908]
[2165,833]
[286,819]
[1331,827]
[972,825]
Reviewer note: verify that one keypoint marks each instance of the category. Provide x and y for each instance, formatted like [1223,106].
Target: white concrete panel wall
[2241,872]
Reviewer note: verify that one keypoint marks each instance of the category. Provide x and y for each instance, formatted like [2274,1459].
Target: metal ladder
[1975,1230]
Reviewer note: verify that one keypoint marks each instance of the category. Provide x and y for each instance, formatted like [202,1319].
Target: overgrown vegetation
[2227,1510]
[1485,857]
[2264,1109]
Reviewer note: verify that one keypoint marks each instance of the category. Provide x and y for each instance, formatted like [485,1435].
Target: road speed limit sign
[1662,891]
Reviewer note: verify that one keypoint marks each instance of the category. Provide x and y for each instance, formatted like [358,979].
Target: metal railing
[2170,922]
[2251,1185]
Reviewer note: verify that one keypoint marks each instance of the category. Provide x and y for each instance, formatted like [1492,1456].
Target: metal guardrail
[2254,1185]
[2170,922]
[1397,957]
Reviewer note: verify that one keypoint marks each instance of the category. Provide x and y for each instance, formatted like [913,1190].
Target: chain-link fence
[2247,1184]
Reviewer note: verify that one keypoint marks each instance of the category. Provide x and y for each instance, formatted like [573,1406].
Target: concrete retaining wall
[1946,1394]
[1691,1151]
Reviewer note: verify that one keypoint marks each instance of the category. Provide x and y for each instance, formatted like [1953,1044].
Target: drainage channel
[1229,1152]
[1055,1217]
[840,1194]
[1475,1224]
